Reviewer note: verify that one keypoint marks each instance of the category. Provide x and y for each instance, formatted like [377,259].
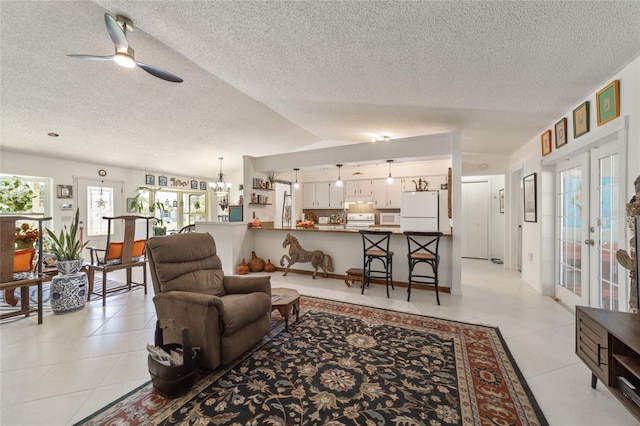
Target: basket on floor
[172,381]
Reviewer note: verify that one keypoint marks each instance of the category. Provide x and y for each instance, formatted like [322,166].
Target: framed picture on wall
[65,191]
[561,132]
[529,186]
[608,102]
[203,186]
[581,120]
[545,142]
[149,179]
[194,184]
[162,180]
[501,200]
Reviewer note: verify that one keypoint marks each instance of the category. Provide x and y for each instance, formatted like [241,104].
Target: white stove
[360,220]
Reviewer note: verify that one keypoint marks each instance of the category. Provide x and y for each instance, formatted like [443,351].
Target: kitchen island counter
[345,248]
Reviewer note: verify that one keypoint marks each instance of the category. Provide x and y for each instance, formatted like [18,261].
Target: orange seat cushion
[22,260]
[115,250]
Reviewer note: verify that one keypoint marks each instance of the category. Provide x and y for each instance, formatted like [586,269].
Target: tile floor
[73,364]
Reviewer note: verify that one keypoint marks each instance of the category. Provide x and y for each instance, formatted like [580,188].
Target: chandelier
[220,188]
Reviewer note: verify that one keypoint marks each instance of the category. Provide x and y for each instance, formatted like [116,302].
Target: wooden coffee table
[288,302]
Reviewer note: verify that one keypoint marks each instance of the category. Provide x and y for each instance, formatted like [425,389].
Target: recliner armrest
[190,298]
[235,284]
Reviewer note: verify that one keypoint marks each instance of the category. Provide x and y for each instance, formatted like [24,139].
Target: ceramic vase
[269,267]
[255,263]
[242,268]
[69,287]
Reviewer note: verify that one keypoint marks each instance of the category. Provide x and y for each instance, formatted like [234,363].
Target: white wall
[63,172]
[535,267]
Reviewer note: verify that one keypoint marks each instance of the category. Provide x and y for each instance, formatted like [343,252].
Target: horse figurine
[298,254]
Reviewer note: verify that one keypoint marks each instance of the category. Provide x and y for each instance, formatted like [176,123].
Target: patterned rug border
[305,308]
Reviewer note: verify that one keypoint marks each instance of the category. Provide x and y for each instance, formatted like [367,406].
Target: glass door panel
[608,222]
[573,266]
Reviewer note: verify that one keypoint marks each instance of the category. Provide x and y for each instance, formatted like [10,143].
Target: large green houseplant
[16,196]
[140,203]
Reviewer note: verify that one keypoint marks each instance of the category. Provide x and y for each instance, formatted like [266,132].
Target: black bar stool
[376,247]
[423,248]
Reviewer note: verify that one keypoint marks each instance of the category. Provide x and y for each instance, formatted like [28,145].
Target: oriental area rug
[344,364]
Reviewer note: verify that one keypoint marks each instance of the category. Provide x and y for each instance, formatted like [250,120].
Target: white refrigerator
[419,211]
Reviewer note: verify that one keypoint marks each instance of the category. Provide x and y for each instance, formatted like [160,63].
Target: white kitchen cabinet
[387,195]
[336,196]
[315,195]
[308,195]
[358,187]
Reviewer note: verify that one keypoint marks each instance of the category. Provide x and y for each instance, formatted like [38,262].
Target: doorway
[475,219]
[589,225]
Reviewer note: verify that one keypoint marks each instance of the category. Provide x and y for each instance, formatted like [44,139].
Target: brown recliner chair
[226,315]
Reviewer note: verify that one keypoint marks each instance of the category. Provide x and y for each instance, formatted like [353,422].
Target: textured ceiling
[271,77]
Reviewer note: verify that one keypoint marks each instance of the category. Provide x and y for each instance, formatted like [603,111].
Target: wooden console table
[608,342]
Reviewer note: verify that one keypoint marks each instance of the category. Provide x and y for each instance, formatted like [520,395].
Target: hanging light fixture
[389,178]
[339,181]
[220,188]
[296,185]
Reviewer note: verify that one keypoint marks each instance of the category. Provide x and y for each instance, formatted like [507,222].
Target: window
[99,204]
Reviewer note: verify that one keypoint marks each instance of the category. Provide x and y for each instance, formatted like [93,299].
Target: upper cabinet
[387,195]
[336,196]
[316,195]
[358,187]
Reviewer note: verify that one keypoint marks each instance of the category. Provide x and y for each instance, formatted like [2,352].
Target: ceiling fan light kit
[125,56]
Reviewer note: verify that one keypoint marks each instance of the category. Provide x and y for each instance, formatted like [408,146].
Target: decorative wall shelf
[260,204]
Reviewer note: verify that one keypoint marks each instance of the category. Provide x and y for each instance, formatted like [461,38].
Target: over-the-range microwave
[389,218]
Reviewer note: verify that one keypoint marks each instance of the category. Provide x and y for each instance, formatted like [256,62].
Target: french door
[96,199]
[589,221]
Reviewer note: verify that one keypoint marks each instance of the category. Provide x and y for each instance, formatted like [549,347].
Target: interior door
[475,219]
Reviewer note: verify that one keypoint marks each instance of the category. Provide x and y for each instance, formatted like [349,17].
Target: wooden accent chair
[16,269]
[226,315]
[125,254]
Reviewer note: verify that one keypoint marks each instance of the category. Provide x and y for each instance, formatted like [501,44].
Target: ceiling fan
[124,56]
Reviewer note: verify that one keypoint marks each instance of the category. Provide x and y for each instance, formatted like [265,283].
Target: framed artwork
[65,191]
[561,132]
[581,120]
[203,186]
[608,102]
[162,180]
[149,179]
[194,184]
[529,185]
[131,205]
[545,140]
[501,200]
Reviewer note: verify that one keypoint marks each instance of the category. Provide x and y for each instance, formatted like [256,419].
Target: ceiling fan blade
[94,57]
[117,34]
[160,73]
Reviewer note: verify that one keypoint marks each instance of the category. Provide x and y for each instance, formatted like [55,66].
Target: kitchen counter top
[335,229]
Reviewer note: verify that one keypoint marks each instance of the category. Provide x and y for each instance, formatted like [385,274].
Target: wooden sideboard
[608,342]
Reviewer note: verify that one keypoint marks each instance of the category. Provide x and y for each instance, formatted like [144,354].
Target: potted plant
[140,203]
[16,196]
[69,287]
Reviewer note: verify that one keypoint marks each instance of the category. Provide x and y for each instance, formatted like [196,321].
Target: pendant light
[339,181]
[296,185]
[389,178]
[220,188]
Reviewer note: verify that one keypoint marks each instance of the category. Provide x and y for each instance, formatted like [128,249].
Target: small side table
[288,302]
